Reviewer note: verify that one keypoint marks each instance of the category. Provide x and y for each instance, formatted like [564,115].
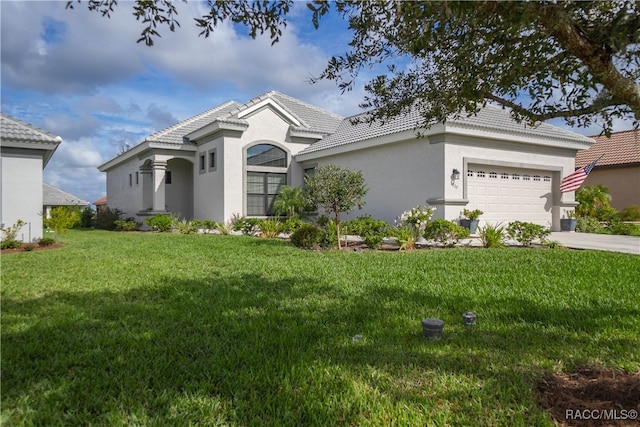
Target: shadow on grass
[249,350]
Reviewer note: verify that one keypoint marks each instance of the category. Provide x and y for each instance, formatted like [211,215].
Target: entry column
[159,169]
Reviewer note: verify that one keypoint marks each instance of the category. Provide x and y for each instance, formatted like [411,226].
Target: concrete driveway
[600,242]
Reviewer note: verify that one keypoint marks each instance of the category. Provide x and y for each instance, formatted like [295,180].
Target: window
[515,176]
[203,163]
[266,167]
[536,177]
[504,175]
[493,175]
[266,155]
[130,180]
[526,177]
[167,177]
[262,189]
[137,178]
[212,160]
[547,178]
[480,174]
[469,172]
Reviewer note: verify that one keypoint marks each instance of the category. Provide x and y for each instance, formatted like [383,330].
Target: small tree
[61,220]
[335,190]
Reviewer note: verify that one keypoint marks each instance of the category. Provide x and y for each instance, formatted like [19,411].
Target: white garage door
[510,194]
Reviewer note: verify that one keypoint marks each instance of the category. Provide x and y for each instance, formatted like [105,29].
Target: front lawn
[161,329]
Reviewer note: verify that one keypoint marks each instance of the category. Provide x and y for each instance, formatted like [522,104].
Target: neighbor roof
[622,148]
[18,134]
[489,118]
[53,196]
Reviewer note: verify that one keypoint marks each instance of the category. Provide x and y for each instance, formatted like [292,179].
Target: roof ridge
[314,107]
[189,120]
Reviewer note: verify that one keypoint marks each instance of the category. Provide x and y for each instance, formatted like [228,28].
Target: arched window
[266,167]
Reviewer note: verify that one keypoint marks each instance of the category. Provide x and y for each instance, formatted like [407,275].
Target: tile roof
[53,196]
[101,201]
[313,118]
[19,131]
[174,134]
[622,148]
[491,118]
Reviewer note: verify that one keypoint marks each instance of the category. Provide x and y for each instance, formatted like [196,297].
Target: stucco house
[618,168]
[234,157]
[26,150]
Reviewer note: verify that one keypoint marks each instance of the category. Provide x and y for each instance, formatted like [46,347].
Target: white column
[158,171]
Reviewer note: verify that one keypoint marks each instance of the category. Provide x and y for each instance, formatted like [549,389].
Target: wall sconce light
[455,175]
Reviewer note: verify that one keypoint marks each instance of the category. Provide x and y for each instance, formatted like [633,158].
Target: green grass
[160,329]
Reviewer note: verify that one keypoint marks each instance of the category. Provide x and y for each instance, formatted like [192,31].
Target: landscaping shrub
[10,237]
[46,241]
[105,220]
[307,236]
[373,240]
[291,224]
[329,237]
[445,232]
[588,224]
[269,228]
[184,227]
[162,223]
[128,224]
[225,228]
[248,226]
[204,224]
[630,213]
[526,232]
[29,247]
[87,217]
[492,236]
[620,228]
[61,220]
[365,225]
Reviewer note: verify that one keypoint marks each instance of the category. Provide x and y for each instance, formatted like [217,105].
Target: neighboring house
[54,197]
[233,159]
[101,204]
[619,167]
[25,152]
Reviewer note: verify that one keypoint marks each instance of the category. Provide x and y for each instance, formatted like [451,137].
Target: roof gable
[621,148]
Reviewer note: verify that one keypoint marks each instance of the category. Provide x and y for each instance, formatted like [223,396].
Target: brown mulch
[36,248]
[591,396]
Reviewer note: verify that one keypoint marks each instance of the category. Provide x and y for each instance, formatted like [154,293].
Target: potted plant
[470,220]
[568,223]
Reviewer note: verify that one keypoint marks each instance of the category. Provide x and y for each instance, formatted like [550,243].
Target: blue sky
[84,77]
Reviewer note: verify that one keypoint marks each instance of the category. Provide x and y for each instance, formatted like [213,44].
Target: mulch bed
[36,248]
[591,396]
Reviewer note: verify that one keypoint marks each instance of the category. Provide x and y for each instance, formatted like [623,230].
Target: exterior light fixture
[469,318]
[456,174]
[432,328]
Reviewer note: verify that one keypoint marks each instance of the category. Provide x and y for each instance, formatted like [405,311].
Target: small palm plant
[493,236]
[289,201]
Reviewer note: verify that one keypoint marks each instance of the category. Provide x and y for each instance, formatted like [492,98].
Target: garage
[510,194]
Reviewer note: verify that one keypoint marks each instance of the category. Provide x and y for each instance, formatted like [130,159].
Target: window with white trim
[266,167]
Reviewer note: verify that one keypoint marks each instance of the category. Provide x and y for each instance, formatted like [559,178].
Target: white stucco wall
[220,194]
[121,195]
[404,174]
[21,185]
[400,176]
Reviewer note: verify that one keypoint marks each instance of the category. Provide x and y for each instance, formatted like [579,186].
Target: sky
[84,78]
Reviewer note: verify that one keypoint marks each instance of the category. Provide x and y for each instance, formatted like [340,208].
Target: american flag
[573,181]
